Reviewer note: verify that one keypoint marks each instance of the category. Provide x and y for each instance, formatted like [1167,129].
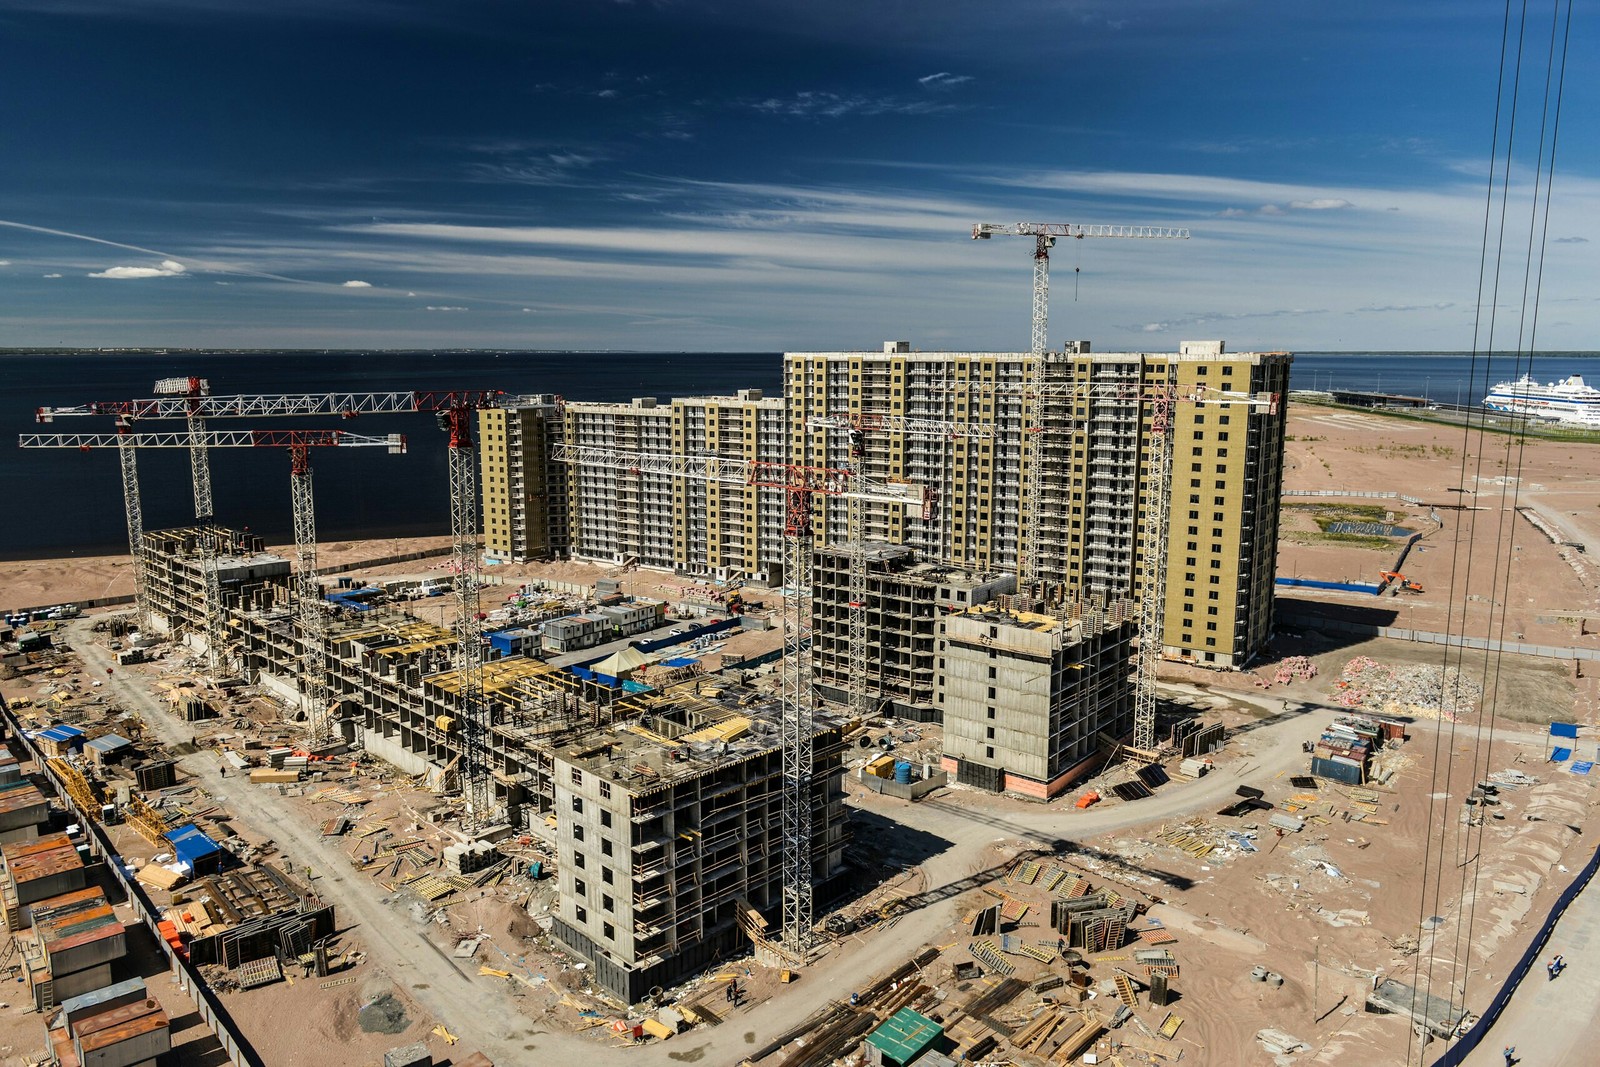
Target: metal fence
[209,1007]
[1428,637]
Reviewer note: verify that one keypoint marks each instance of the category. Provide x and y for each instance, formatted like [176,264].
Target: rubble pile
[1290,669]
[1418,689]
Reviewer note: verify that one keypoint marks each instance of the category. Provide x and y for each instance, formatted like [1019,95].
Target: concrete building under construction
[175,574]
[1029,699]
[664,805]
[668,832]
[907,597]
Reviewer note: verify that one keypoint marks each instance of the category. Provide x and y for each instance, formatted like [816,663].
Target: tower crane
[454,410]
[1044,236]
[800,483]
[313,650]
[859,425]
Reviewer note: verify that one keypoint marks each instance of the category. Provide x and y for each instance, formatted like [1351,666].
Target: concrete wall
[403,759]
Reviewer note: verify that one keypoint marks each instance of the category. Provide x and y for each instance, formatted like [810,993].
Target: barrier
[210,1009]
[1427,637]
[1470,1040]
[1313,583]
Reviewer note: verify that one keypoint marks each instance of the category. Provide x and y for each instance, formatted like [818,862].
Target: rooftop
[678,740]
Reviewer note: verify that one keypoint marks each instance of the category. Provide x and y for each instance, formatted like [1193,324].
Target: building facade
[1026,697]
[1094,447]
[661,840]
[175,578]
[524,490]
[627,515]
[906,599]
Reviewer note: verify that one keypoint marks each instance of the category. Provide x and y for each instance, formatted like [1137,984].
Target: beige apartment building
[626,514]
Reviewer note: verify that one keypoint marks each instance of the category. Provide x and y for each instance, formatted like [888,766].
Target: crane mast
[858,426]
[798,720]
[1030,448]
[477,789]
[133,510]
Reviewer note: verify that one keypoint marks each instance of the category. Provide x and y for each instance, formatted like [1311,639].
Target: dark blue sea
[66,503]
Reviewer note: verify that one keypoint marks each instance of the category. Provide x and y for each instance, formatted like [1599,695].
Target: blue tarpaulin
[679,661]
[1560,755]
[194,848]
[1564,729]
[1583,767]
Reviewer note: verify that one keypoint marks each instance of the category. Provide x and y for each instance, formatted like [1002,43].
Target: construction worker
[1510,1055]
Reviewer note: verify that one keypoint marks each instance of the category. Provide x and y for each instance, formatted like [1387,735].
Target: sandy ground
[40,582]
[1485,556]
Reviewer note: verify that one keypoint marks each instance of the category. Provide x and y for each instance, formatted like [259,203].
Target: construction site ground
[923,868]
[1326,907]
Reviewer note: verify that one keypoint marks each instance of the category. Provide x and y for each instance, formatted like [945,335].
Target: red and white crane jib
[343,405]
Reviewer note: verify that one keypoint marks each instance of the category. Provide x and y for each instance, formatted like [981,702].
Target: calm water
[60,503]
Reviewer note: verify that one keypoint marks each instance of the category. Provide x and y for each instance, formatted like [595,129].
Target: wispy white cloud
[1569,240]
[447,307]
[52,275]
[943,80]
[818,104]
[168,268]
[355,283]
[1321,203]
[5,263]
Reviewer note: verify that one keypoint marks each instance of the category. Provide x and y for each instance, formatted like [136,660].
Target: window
[605,850]
[608,904]
[577,833]
[580,914]
[1211,611]
[991,692]
[991,672]
[580,888]
[1211,626]
[605,817]
[577,805]
[609,931]
[989,733]
[605,794]
[577,860]
[991,713]
[577,776]
[988,753]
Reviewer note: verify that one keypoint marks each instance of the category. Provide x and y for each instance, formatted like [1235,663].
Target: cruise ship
[1568,400]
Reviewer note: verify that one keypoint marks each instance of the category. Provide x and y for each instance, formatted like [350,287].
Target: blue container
[902,771]
[536,870]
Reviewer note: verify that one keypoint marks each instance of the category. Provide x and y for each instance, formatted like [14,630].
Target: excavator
[1399,581]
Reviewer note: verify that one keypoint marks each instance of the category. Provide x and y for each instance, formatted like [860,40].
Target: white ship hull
[1568,400]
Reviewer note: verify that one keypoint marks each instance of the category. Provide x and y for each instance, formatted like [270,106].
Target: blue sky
[756,174]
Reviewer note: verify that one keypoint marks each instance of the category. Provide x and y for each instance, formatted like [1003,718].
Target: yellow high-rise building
[524,491]
[1094,448]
